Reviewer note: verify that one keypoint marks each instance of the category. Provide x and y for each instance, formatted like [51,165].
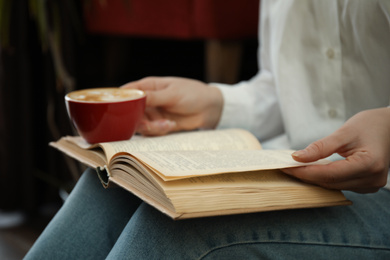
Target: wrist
[213,112]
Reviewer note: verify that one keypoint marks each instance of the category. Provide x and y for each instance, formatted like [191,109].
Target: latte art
[105,94]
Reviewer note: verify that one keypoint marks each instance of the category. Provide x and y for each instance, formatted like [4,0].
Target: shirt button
[332,113]
[330,53]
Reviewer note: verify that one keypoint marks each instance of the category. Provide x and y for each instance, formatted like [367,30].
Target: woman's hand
[364,141]
[175,104]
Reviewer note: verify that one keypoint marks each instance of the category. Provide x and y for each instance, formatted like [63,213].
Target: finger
[153,122]
[354,166]
[363,185]
[160,98]
[152,114]
[145,84]
[156,127]
[322,148]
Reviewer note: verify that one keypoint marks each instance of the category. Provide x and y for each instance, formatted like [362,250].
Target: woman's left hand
[364,141]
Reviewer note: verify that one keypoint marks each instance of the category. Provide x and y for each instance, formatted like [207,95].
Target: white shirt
[321,62]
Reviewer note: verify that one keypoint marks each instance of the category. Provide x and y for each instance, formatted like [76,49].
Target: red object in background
[225,19]
[183,19]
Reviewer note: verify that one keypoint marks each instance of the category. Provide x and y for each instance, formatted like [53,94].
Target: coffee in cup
[105,114]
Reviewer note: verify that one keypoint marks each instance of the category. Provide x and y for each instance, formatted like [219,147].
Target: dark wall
[32,111]
[115,60]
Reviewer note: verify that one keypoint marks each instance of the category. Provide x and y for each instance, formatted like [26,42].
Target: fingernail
[299,153]
[167,124]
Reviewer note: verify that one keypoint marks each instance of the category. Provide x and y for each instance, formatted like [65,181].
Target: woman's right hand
[176,104]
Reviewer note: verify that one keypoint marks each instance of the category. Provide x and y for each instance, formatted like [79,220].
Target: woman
[322,63]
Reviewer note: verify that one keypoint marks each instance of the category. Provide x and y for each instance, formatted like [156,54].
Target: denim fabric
[95,223]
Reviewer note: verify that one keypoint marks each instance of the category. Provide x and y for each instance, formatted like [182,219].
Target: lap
[95,222]
[88,224]
[349,232]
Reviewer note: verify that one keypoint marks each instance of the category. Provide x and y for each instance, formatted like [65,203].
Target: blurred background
[50,47]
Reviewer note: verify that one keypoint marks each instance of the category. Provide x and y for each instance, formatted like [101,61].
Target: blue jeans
[98,223]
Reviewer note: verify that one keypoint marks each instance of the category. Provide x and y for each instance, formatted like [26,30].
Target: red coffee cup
[105,114]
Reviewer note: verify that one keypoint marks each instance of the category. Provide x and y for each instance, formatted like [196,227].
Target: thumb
[319,149]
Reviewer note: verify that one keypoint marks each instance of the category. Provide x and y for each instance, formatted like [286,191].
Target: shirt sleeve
[252,105]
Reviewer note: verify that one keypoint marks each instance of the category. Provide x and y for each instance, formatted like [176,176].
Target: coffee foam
[105,94]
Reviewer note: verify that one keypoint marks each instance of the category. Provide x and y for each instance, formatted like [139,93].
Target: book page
[260,179]
[172,165]
[92,158]
[244,180]
[228,139]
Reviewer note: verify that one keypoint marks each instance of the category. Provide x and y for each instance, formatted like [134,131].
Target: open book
[201,173]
